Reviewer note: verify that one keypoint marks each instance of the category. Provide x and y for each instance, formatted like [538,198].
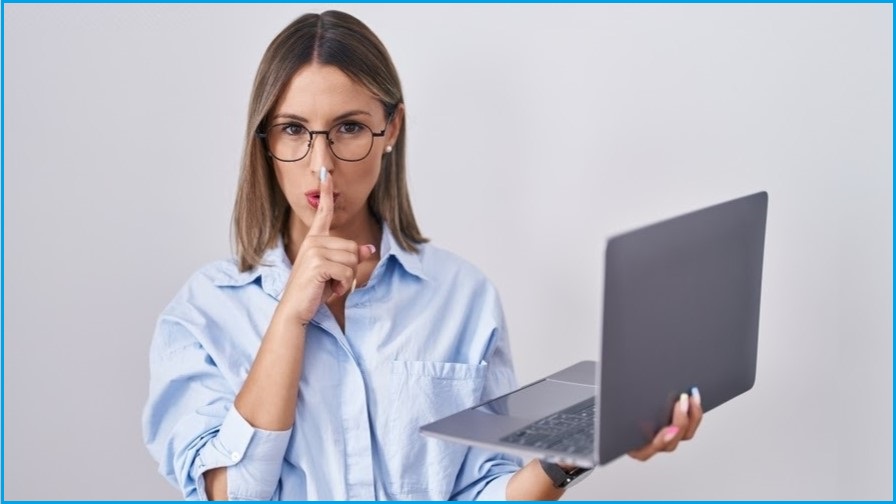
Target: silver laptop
[681,309]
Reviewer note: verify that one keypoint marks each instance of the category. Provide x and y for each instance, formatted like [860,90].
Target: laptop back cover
[681,309]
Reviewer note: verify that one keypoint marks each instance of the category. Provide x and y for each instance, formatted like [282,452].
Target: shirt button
[235,456]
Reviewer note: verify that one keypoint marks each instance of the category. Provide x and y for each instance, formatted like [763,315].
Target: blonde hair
[261,212]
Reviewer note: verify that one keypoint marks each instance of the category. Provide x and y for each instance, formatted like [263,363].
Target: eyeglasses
[290,142]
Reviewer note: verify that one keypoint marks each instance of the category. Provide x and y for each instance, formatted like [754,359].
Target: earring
[388,149]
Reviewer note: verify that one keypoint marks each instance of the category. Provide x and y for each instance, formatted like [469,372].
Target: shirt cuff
[496,489]
[253,457]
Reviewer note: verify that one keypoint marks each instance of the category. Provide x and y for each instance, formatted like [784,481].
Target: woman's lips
[313,198]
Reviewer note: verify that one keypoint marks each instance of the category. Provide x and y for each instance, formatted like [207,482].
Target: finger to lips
[324,216]
[351,254]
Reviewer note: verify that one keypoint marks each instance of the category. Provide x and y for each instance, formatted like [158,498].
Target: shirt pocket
[420,467]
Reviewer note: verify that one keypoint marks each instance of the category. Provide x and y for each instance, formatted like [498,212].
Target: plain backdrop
[535,132]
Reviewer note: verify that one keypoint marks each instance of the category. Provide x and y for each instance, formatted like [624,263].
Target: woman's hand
[686,416]
[325,266]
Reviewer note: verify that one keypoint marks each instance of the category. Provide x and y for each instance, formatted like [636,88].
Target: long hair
[261,212]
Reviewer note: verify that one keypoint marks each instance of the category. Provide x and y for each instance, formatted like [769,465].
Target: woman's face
[323,98]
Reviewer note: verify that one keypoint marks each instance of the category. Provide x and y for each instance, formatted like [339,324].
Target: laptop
[681,309]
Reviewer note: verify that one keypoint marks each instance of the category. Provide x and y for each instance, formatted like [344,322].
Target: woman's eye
[351,128]
[292,129]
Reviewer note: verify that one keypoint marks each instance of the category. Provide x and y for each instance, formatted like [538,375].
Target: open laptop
[681,309]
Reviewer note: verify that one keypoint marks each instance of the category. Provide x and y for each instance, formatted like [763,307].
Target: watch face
[575,473]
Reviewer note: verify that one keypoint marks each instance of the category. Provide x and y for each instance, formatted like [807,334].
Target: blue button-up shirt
[423,339]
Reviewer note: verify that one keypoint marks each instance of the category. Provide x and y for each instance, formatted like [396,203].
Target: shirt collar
[275,267]
[410,261]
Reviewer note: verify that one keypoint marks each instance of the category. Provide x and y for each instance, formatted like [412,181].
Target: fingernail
[323,173]
[671,432]
[684,403]
[354,284]
[371,249]
[695,393]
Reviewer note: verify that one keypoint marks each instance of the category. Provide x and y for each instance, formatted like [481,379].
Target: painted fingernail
[354,284]
[671,432]
[684,403]
[323,173]
[695,393]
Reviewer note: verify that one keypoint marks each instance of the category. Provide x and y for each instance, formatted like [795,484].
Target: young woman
[303,368]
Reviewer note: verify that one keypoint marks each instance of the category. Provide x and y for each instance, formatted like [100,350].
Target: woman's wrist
[532,483]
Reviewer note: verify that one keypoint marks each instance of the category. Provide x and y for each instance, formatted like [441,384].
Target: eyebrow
[344,115]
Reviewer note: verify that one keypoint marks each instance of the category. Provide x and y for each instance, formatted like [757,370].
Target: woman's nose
[320,154]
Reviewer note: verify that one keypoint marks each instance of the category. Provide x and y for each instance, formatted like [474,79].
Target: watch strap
[559,477]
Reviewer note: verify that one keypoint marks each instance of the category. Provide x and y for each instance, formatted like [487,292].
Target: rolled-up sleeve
[253,457]
[484,475]
[496,489]
[191,426]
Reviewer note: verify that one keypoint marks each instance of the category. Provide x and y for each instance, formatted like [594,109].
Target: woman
[303,369]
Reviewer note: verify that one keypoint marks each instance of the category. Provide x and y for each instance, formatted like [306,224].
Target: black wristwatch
[561,478]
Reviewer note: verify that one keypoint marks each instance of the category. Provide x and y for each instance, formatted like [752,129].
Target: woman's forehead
[323,92]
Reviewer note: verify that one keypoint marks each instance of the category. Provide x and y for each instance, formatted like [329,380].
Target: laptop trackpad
[539,399]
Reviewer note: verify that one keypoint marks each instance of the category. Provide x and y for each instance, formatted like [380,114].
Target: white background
[535,133]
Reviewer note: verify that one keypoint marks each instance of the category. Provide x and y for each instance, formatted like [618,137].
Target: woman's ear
[394,127]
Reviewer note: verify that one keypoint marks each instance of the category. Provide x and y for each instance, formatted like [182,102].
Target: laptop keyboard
[570,430]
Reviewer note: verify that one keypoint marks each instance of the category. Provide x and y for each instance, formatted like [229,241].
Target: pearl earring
[388,149]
